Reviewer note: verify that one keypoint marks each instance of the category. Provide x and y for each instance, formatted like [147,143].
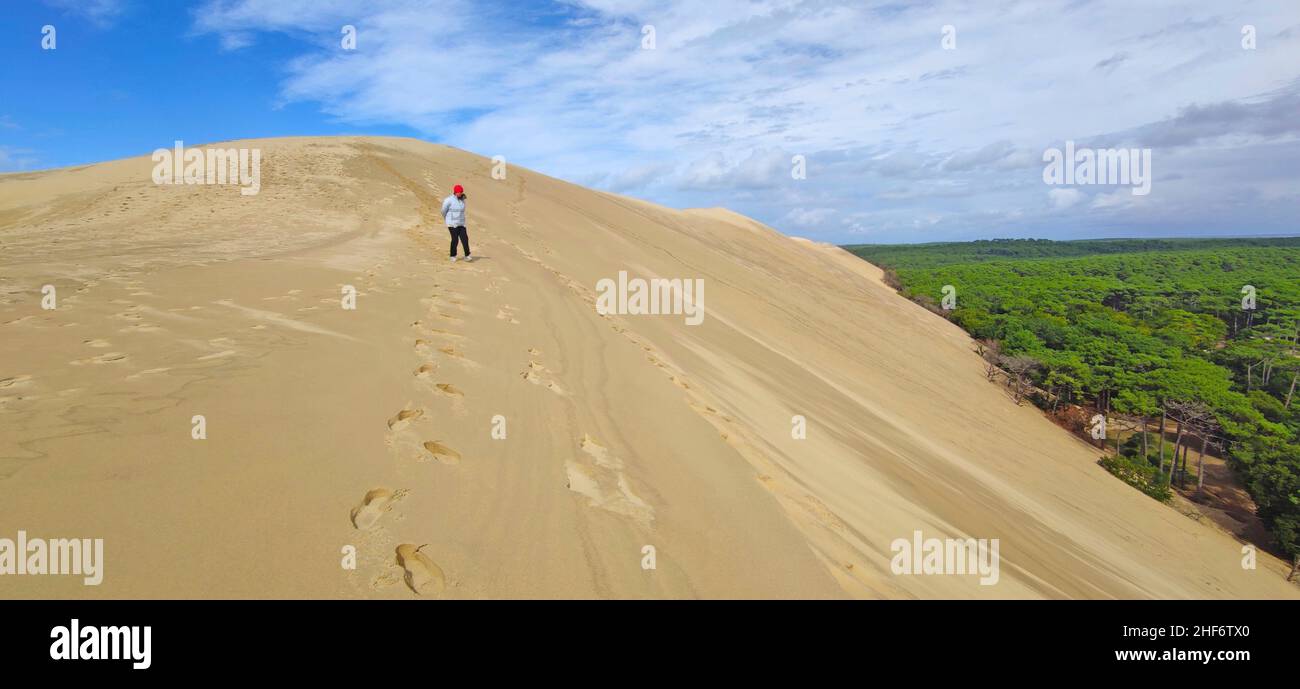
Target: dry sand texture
[373,427]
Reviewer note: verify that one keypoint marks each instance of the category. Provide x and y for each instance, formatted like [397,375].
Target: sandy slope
[621,431]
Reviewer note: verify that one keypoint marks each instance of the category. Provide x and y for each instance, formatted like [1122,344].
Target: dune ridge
[480,431]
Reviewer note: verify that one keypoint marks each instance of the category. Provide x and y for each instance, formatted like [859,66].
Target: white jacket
[453,211]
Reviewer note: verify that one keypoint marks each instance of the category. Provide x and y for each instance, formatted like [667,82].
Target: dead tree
[1208,427]
[1189,416]
[1019,367]
[1173,409]
[991,352]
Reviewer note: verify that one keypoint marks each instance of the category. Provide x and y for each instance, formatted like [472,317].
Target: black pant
[459,233]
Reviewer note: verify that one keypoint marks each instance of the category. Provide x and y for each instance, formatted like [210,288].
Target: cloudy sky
[914,121]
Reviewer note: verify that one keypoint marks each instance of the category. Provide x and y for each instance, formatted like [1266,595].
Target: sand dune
[381,427]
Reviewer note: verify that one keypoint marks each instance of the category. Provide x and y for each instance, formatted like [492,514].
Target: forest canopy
[1136,327]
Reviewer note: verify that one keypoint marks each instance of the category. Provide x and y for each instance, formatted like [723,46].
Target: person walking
[453,212]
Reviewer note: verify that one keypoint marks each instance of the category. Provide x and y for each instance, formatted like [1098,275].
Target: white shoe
[468,258]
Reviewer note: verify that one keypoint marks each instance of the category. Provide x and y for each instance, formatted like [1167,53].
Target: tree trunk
[1291,391]
[1178,442]
[1145,455]
[1182,472]
[1200,464]
[1178,456]
[1163,421]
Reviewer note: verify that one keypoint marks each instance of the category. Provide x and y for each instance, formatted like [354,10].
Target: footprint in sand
[403,418]
[423,345]
[110,358]
[454,353]
[422,574]
[148,372]
[403,439]
[534,374]
[702,408]
[453,393]
[386,578]
[442,453]
[449,390]
[16,380]
[507,314]
[140,328]
[445,333]
[425,370]
[373,506]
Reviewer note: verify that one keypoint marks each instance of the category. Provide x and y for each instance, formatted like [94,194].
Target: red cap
[458,190]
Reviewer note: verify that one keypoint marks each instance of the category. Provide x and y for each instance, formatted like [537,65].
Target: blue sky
[905,138]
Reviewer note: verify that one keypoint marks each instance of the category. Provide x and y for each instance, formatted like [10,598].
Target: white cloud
[1120,198]
[99,12]
[733,88]
[1063,198]
[635,177]
[809,218]
[761,169]
[15,159]
[235,40]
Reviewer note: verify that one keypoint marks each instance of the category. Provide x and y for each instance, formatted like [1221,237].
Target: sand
[480,431]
